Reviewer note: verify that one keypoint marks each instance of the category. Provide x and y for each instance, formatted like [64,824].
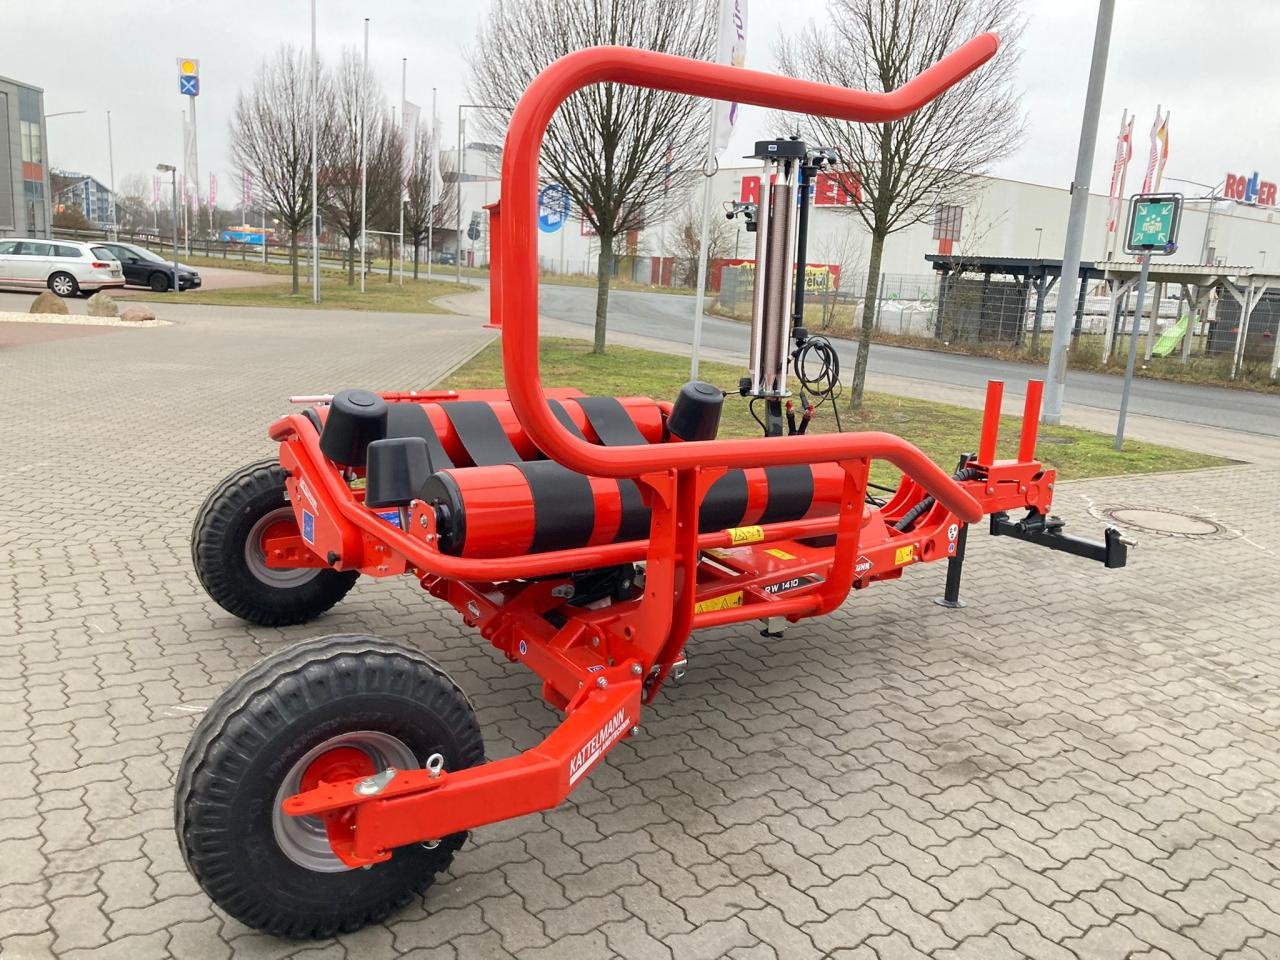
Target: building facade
[25,203]
[998,217]
[81,191]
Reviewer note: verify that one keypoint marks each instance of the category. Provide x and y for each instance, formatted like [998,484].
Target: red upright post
[1030,421]
[991,423]
[495,268]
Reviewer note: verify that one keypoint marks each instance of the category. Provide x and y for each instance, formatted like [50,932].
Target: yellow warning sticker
[780,554]
[725,602]
[905,554]
[745,534]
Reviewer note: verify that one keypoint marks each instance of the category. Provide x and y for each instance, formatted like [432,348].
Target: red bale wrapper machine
[584,537]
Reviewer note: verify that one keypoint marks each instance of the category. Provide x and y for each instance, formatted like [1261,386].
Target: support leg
[955,566]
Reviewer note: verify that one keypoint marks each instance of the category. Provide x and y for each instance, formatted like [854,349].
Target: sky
[1212,64]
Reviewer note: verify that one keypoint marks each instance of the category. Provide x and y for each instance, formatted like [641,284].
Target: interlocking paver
[1078,760]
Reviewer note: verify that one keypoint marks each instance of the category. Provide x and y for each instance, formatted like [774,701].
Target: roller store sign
[833,189]
[1250,189]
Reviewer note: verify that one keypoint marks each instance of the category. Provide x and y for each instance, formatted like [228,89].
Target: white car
[67,267]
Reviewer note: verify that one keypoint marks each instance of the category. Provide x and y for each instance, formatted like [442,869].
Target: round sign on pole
[553,207]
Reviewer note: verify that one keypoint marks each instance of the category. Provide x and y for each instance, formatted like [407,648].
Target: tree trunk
[604,268]
[868,320]
[351,262]
[415,260]
[293,258]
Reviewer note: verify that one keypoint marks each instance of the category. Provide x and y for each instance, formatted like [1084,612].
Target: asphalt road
[669,317]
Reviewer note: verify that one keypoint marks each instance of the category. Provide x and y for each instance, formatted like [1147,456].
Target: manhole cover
[1169,522]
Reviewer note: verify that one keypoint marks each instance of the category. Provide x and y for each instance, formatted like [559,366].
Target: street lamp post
[111,163]
[170,169]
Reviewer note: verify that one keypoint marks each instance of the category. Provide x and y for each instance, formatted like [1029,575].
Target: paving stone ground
[1080,763]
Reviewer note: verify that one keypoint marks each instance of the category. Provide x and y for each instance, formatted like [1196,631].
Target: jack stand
[955,565]
[773,627]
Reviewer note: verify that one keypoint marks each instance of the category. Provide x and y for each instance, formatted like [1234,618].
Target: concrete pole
[1056,384]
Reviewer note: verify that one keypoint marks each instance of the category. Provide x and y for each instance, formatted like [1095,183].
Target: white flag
[433,174]
[409,113]
[733,51]
[188,150]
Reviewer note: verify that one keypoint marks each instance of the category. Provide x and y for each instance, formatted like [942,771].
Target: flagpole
[364,155]
[732,23]
[315,209]
[404,92]
[699,296]
[431,180]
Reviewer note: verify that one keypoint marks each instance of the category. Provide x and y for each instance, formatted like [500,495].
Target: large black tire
[159,282]
[226,533]
[250,744]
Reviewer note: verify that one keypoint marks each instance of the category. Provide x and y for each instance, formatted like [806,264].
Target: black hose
[824,384]
[921,508]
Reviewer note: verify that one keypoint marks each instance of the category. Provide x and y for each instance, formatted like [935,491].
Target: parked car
[67,267]
[445,258]
[142,268]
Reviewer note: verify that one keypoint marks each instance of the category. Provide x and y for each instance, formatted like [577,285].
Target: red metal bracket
[415,805]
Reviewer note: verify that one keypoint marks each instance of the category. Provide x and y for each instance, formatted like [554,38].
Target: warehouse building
[24,171]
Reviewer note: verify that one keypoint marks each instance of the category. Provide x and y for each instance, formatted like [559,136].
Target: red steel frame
[603,663]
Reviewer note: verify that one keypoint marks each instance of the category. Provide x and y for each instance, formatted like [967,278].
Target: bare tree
[357,101]
[133,203]
[271,137]
[906,168]
[688,241]
[421,216]
[841,248]
[614,148]
[387,168]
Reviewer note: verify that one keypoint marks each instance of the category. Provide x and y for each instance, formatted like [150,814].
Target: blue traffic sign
[553,207]
[189,86]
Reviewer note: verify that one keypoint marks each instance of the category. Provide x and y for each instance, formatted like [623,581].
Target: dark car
[142,268]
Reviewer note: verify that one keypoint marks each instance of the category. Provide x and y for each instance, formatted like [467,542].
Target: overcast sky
[1213,64]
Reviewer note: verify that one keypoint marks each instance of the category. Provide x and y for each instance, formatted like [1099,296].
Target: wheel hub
[361,753]
[273,523]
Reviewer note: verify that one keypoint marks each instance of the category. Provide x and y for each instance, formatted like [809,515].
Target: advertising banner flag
[1163,136]
[733,51]
[155,190]
[409,126]
[1119,168]
[246,189]
[213,190]
[1159,133]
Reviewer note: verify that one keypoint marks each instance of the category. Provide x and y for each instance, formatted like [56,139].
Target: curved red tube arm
[519,244]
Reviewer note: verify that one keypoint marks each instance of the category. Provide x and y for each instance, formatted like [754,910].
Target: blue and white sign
[189,86]
[253,237]
[553,207]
